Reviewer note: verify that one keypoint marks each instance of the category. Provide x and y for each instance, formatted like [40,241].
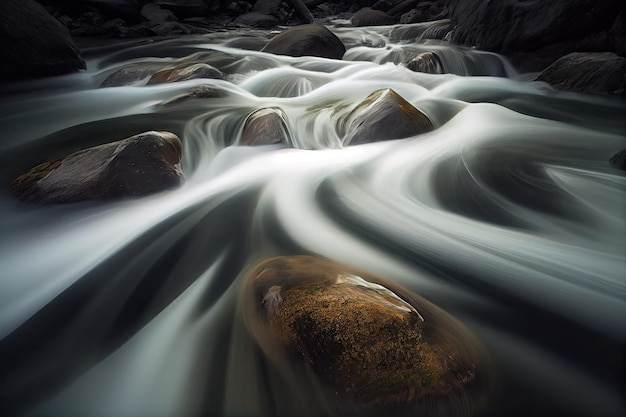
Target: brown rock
[141,164]
[185,72]
[427,62]
[384,115]
[265,126]
[368,340]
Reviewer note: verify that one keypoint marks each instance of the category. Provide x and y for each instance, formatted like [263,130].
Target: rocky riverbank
[532,35]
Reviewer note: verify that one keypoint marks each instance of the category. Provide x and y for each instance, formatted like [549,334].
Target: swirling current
[507,215]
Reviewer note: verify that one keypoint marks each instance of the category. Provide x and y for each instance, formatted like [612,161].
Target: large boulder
[141,164]
[384,115]
[307,40]
[33,43]
[370,17]
[265,127]
[592,73]
[368,340]
[535,34]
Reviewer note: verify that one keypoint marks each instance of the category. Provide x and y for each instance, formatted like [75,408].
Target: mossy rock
[369,341]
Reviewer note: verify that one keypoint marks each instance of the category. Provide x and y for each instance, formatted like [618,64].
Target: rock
[427,62]
[34,44]
[368,340]
[384,115]
[265,126]
[256,20]
[371,17]
[184,8]
[199,91]
[185,72]
[141,164]
[402,8]
[413,16]
[126,9]
[154,13]
[307,40]
[619,160]
[591,73]
[543,30]
[133,73]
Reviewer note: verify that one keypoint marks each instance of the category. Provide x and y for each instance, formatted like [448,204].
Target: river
[507,215]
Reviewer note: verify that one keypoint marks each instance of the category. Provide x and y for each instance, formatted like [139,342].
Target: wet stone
[142,164]
[265,126]
[384,115]
[367,339]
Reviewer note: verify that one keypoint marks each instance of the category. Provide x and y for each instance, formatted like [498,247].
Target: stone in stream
[590,72]
[370,17]
[427,62]
[384,115]
[370,342]
[619,160]
[144,163]
[307,40]
[185,72]
[265,126]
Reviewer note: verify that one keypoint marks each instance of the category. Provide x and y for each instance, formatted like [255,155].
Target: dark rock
[141,164]
[307,40]
[554,28]
[413,16]
[385,5]
[427,62]
[184,8]
[402,8]
[371,17]
[619,160]
[126,9]
[265,127]
[384,115]
[34,44]
[369,340]
[592,73]
[154,13]
[256,20]
[185,72]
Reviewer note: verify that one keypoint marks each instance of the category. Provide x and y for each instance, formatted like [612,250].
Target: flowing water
[507,215]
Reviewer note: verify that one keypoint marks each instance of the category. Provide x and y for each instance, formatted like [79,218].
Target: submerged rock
[185,72]
[384,115]
[427,62]
[266,126]
[370,17]
[141,164]
[307,40]
[588,72]
[33,43]
[133,73]
[372,344]
[619,160]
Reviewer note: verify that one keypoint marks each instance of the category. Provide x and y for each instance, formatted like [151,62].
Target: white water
[507,216]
